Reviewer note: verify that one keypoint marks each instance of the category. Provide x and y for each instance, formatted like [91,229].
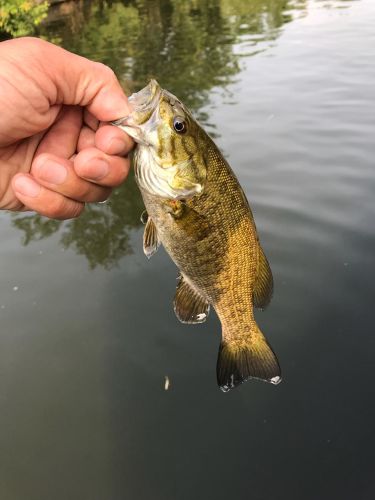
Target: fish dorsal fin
[189,305]
[151,241]
[263,286]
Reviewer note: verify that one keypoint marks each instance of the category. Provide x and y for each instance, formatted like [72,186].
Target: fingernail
[52,172]
[26,187]
[116,146]
[97,169]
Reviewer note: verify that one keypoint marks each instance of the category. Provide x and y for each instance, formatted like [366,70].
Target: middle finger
[58,175]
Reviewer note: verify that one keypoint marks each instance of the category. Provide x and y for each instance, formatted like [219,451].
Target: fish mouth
[146,98]
[142,106]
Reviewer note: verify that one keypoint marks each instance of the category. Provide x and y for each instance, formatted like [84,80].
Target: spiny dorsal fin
[263,286]
[189,305]
[240,361]
[150,239]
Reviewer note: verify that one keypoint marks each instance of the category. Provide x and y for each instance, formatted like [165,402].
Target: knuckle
[103,195]
[76,210]
[63,208]
[94,193]
[85,192]
[106,71]
[56,208]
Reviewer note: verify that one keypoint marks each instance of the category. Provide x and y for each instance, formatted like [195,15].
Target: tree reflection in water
[189,46]
[101,233]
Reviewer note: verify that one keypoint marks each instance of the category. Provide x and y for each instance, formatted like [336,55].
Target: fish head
[169,159]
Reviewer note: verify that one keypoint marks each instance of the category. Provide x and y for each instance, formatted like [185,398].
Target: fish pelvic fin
[238,361]
[189,305]
[151,240]
[263,286]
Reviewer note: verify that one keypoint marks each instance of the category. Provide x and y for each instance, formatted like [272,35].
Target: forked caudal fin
[240,361]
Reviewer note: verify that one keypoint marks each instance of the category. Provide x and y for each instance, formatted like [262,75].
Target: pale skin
[56,150]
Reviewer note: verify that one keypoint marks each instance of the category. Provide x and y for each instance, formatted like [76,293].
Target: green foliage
[189,46]
[101,233]
[20,17]
[192,47]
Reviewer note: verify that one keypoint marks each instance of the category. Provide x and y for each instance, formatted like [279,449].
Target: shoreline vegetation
[21,17]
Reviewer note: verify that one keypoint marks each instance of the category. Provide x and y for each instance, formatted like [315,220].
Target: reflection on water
[189,46]
[186,45]
[101,233]
[336,4]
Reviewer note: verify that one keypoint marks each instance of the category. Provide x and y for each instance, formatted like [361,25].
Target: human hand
[55,154]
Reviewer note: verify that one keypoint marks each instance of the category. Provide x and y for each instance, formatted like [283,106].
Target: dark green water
[88,333]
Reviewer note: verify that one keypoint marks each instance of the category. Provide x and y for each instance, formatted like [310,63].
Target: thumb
[97,88]
[75,80]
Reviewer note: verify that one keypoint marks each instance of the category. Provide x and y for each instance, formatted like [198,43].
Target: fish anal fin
[151,241]
[263,286]
[240,361]
[189,305]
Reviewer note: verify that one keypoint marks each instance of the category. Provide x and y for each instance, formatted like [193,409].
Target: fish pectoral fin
[241,360]
[175,207]
[189,305]
[263,286]
[151,240]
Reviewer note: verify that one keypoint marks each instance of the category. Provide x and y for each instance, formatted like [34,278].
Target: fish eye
[179,124]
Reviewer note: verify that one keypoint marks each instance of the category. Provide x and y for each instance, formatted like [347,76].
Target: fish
[197,209]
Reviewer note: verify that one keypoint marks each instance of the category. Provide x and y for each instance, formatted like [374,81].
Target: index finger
[113,141]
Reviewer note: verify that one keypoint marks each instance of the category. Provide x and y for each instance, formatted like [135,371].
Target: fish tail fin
[241,360]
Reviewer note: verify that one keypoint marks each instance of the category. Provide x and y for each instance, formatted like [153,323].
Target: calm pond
[88,332]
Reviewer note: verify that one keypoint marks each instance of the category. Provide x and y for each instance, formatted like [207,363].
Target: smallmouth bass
[197,209]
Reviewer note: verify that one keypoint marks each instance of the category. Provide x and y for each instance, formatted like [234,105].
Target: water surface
[88,333]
